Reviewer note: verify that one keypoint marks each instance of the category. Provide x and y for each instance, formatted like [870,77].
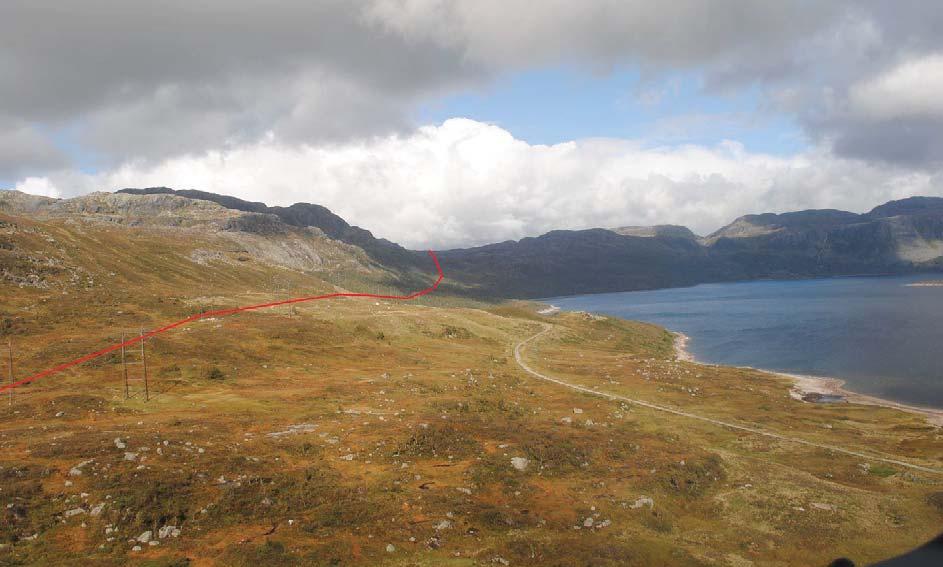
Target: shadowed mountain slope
[898,237]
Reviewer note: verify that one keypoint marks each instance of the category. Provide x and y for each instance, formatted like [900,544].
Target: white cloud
[912,89]
[465,182]
[42,186]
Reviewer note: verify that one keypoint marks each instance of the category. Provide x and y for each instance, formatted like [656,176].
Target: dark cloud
[913,142]
[67,57]
[145,81]
[24,151]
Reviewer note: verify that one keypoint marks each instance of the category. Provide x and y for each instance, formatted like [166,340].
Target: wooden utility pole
[124,367]
[291,307]
[10,346]
[144,364]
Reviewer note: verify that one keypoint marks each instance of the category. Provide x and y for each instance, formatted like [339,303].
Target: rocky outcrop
[305,215]
[117,208]
[664,230]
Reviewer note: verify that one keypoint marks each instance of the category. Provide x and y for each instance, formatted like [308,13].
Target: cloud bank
[315,100]
[130,81]
[465,183]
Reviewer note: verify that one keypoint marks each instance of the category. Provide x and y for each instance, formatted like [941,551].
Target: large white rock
[519,463]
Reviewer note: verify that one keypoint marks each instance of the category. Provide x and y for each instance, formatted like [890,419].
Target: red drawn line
[220,313]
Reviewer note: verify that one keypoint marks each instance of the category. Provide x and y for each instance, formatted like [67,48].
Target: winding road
[518,356]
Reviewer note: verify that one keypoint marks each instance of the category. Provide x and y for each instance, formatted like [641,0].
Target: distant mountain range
[904,236]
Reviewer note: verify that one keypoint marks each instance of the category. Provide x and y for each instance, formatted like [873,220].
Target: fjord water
[881,336]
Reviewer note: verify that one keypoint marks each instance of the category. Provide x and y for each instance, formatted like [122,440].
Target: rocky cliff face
[307,215]
[898,236]
[916,227]
[209,234]
[118,208]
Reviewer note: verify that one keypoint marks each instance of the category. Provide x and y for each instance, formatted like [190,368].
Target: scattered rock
[119,443]
[443,525]
[128,456]
[642,501]
[519,463]
[293,429]
[73,512]
[390,548]
[77,469]
[168,531]
[145,537]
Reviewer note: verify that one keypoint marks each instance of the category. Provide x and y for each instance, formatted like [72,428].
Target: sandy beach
[930,283]
[809,389]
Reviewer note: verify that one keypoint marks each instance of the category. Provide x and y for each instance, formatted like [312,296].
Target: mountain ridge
[901,236]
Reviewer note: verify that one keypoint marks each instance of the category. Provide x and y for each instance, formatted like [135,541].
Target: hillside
[568,262]
[308,215]
[898,237]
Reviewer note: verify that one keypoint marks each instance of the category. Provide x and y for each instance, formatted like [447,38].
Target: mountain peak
[908,206]
[306,215]
[767,223]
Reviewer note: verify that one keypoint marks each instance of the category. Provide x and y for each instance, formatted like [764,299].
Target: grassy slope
[414,413]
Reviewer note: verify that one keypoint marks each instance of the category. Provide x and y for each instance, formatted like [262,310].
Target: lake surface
[879,335]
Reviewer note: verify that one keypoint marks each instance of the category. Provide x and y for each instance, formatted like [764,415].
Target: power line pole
[144,363]
[10,346]
[124,367]
[291,307]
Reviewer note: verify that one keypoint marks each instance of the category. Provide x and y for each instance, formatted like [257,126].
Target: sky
[439,123]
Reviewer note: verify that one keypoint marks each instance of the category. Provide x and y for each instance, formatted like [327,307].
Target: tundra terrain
[365,432]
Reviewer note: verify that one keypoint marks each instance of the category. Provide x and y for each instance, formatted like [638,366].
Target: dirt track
[518,349]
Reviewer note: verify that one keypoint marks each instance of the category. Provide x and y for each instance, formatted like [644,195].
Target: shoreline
[809,389]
